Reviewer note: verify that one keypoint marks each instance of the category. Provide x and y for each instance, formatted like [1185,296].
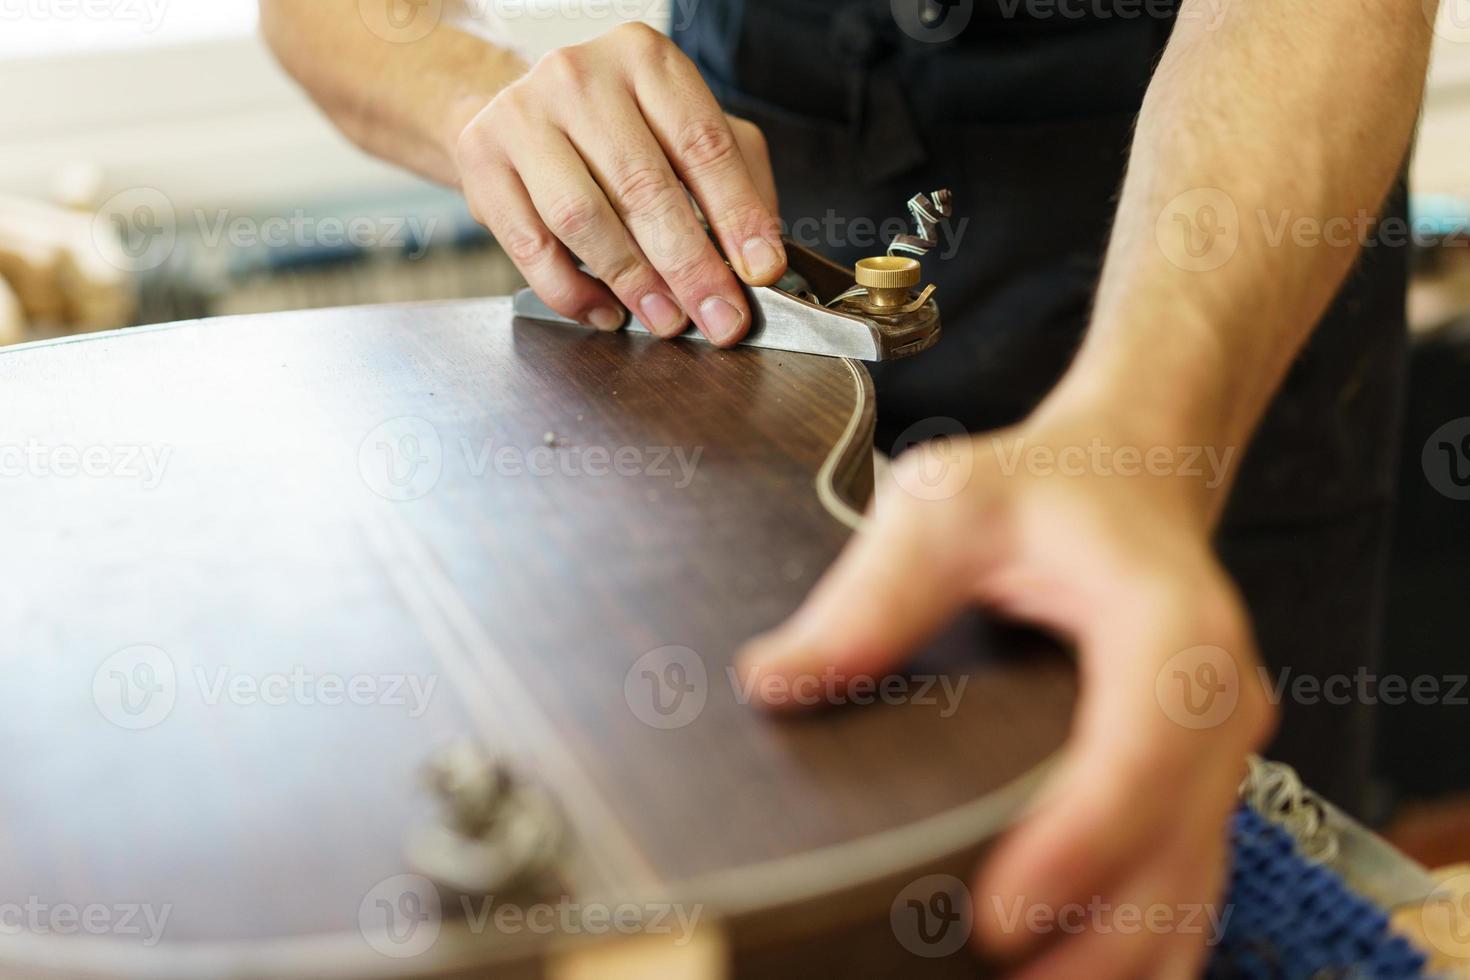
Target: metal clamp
[495,833]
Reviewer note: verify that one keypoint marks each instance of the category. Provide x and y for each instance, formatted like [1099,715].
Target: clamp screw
[888,279]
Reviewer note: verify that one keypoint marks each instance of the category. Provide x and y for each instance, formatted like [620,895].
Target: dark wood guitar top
[257,570]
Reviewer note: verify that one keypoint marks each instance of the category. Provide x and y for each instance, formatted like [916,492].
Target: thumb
[897,583]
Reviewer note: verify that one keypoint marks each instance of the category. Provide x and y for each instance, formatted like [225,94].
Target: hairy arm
[1273,117]
[585,156]
[399,96]
[1281,107]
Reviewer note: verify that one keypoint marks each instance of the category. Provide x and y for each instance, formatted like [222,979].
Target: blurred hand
[1171,704]
[584,156]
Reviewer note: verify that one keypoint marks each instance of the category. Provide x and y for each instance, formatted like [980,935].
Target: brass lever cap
[888,279]
[888,272]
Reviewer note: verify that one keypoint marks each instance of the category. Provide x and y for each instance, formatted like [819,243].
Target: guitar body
[258,571]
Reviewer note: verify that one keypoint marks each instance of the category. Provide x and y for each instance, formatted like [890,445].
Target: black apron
[1028,120]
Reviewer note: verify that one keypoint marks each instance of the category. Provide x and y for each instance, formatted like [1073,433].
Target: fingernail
[606,318]
[721,320]
[761,258]
[661,315]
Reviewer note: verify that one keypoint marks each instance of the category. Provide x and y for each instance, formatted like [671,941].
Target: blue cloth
[1292,919]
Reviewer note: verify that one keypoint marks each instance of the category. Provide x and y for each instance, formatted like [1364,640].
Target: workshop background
[156,164]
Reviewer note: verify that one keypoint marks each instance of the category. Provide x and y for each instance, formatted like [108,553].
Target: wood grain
[532,582]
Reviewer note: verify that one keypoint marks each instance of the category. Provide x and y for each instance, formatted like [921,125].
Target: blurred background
[156,164]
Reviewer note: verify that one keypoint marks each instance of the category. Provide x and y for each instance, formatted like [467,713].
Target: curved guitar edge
[845,480]
[757,912]
[765,907]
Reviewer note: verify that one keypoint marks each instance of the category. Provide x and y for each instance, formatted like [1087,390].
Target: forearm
[403,100]
[1284,111]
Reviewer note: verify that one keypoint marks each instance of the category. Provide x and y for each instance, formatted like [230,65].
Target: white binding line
[826,488]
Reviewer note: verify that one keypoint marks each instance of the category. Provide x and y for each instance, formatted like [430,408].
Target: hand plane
[876,312]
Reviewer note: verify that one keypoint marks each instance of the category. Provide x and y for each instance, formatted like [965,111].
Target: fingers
[629,165]
[1183,955]
[501,203]
[575,209]
[757,160]
[890,590]
[601,140]
[1149,913]
[1107,812]
[1134,776]
[699,141]
[1164,911]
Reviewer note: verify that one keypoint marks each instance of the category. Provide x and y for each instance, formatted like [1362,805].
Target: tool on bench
[872,313]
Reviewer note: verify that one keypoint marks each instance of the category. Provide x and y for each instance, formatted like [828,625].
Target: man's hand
[1135,815]
[585,154]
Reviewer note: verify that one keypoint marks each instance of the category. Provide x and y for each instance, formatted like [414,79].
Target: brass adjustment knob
[888,278]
